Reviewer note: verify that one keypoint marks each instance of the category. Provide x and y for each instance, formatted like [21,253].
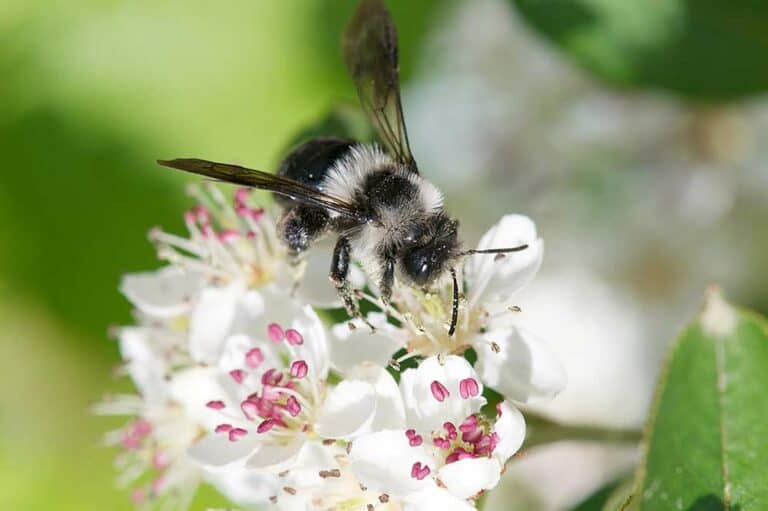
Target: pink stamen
[275,332]
[486,444]
[469,424]
[439,391]
[160,460]
[415,441]
[473,436]
[293,337]
[271,377]
[458,454]
[158,485]
[131,442]
[241,195]
[238,375]
[441,443]
[266,426]
[229,235]
[215,405]
[254,357]
[451,430]
[142,427]
[236,434]
[138,496]
[270,392]
[202,214]
[299,369]
[293,406]
[468,387]
[409,433]
[250,409]
[419,472]
[223,428]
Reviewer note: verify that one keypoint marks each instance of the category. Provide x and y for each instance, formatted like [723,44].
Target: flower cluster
[241,384]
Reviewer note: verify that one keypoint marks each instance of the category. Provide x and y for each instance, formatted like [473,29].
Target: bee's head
[432,252]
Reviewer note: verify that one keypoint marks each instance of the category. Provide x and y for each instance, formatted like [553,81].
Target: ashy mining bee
[386,215]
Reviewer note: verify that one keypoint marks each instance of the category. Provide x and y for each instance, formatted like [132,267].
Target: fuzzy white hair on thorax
[348,174]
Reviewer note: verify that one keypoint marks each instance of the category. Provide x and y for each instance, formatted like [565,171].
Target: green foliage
[702,49]
[705,440]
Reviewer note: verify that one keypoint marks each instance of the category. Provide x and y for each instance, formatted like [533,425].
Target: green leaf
[704,49]
[598,500]
[705,441]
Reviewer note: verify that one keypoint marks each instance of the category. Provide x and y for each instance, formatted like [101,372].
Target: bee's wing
[371,54]
[266,181]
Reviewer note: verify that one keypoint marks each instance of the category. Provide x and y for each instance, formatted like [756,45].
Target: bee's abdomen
[310,162]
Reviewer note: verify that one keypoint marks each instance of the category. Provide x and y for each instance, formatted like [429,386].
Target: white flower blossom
[272,398]
[445,450]
[487,319]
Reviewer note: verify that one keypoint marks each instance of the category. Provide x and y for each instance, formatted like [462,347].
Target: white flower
[486,322]
[445,450]
[272,398]
[155,441]
[236,241]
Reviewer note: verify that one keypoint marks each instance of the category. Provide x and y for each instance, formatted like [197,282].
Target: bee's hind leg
[338,275]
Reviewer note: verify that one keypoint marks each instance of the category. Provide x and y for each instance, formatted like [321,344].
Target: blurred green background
[94,91]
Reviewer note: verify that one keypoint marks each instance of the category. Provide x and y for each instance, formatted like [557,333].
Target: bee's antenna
[455,307]
[493,250]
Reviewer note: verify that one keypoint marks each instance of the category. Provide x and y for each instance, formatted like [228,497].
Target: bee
[386,214]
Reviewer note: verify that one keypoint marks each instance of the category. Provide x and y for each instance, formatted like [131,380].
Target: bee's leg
[298,228]
[387,280]
[339,272]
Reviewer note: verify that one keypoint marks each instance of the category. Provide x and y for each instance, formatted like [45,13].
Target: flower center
[227,240]
[473,438]
[283,400]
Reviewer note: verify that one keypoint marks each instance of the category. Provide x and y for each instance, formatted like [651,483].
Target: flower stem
[542,431]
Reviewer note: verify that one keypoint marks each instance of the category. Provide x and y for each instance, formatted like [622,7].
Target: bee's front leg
[299,227]
[387,280]
[339,272]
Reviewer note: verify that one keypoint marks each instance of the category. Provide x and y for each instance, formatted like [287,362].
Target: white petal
[524,369]
[511,430]
[352,347]
[288,312]
[348,409]
[315,288]
[432,498]
[496,279]
[390,411]
[217,451]
[424,411]
[145,366]
[383,461]
[272,457]
[164,293]
[243,486]
[470,476]
[192,388]
[211,321]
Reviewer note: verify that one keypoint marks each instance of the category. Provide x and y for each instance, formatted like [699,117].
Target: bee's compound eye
[419,265]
